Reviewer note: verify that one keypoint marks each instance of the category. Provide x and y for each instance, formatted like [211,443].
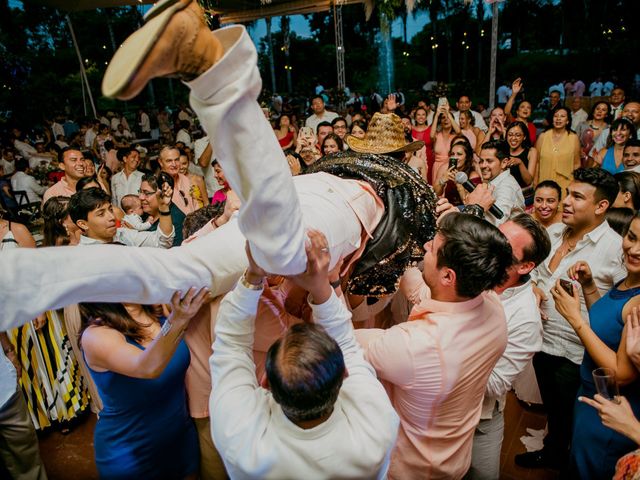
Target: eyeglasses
[146,193]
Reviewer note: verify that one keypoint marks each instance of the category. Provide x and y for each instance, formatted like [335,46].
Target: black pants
[559,380]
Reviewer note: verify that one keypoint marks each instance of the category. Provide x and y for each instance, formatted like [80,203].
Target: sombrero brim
[362,145]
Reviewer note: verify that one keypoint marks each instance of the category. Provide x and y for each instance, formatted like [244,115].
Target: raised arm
[516,86]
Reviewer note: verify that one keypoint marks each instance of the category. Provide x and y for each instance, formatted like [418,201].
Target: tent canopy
[230,11]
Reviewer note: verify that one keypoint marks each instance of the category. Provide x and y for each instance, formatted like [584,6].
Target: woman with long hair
[523,110]
[589,131]
[332,143]
[446,185]
[138,362]
[629,194]
[610,157]
[422,131]
[443,129]
[559,150]
[546,203]
[594,447]
[285,132]
[523,159]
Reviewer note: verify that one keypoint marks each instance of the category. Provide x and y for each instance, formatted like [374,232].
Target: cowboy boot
[175,41]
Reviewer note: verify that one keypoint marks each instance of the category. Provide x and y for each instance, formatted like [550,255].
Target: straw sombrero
[385,134]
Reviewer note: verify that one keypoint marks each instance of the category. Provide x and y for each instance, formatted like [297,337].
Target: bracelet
[245,283]
[336,284]
[166,327]
[474,209]
[164,214]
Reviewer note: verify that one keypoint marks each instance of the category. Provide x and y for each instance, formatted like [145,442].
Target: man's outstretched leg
[224,98]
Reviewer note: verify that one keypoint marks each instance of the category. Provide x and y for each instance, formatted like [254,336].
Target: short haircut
[619,219]
[65,150]
[305,369]
[550,184]
[317,96]
[501,148]
[632,142]
[84,201]
[476,251]
[128,202]
[22,164]
[605,183]
[540,248]
[323,124]
[194,221]
[84,181]
[124,152]
[630,182]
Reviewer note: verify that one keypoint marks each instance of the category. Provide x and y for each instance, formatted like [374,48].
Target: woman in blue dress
[138,364]
[610,157]
[596,448]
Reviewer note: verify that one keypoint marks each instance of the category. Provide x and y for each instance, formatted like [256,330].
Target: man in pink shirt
[437,364]
[72,164]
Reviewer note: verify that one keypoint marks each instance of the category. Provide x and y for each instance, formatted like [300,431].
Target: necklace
[628,287]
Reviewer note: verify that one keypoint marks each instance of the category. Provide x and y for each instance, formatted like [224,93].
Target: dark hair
[338,119]
[334,137]
[108,145]
[604,182]
[619,219]
[500,146]
[550,184]
[526,141]
[112,315]
[185,124]
[84,201]
[630,182]
[155,181]
[625,122]
[22,164]
[568,111]
[476,251]
[305,369]
[84,181]
[54,212]
[359,123]
[317,96]
[538,250]
[632,142]
[194,221]
[593,109]
[468,155]
[323,124]
[124,152]
[65,150]
[279,119]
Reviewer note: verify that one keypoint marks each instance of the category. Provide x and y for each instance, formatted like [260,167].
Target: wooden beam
[296,7]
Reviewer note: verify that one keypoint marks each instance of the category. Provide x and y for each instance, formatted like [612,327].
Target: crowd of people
[328,295]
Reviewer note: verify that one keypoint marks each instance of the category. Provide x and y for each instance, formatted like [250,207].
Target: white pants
[274,215]
[487,444]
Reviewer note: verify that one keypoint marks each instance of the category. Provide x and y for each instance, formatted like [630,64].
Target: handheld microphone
[463,179]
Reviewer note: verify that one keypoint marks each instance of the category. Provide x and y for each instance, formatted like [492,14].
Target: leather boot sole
[127,61]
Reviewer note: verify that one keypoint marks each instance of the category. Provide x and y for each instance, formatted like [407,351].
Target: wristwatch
[474,209]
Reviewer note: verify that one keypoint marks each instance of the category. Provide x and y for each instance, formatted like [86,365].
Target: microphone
[463,179]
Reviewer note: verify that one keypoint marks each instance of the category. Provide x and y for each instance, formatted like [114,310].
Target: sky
[300,25]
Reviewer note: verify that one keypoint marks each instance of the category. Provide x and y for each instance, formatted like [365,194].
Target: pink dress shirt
[436,368]
[60,189]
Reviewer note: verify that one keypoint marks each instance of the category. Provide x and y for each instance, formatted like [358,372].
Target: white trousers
[275,212]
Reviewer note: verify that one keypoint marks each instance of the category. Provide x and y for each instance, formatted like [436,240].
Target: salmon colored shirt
[59,189]
[436,368]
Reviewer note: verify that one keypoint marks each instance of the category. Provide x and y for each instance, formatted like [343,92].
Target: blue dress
[144,430]
[595,449]
[609,163]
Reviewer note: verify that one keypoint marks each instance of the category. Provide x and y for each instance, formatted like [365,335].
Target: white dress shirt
[255,438]
[524,338]
[314,119]
[509,198]
[601,248]
[22,181]
[134,238]
[122,185]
